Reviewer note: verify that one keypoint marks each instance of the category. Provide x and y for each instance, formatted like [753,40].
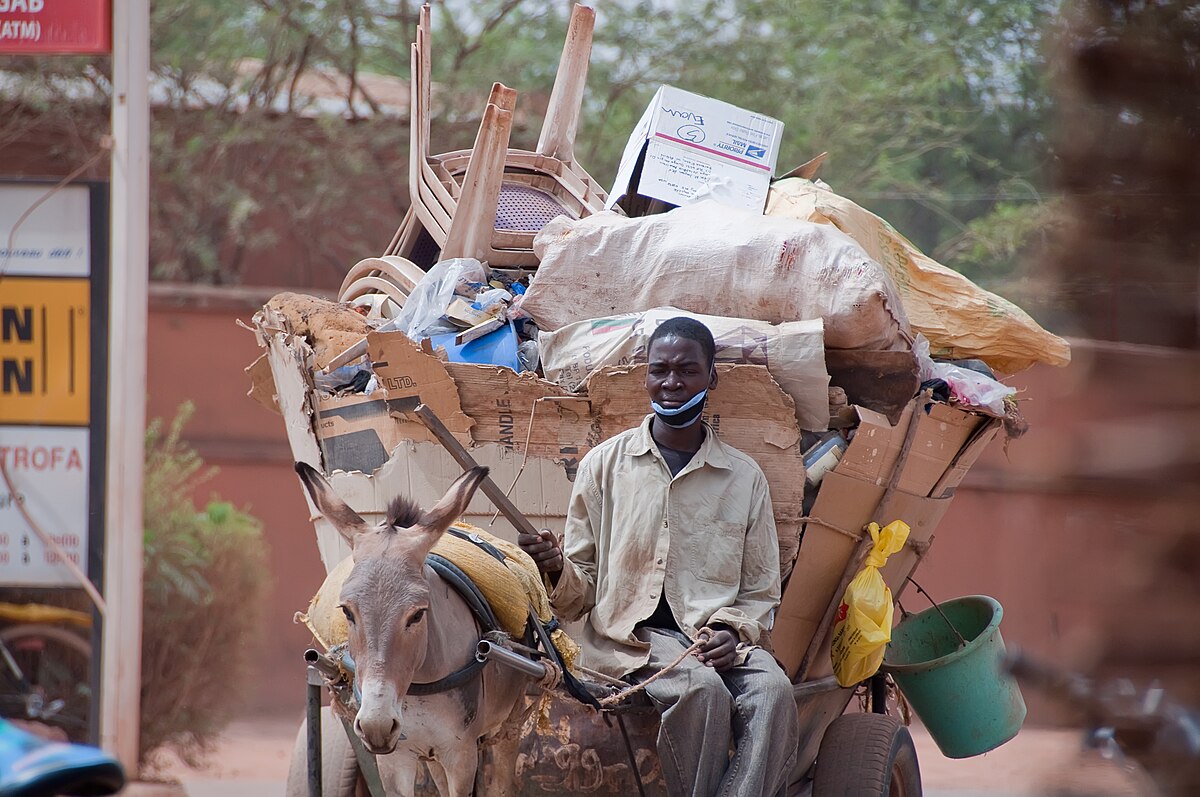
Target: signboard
[55,26]
[53,303]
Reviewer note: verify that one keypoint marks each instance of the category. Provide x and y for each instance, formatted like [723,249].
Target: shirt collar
[712,451]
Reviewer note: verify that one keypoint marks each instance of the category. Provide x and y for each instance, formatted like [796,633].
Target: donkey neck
[453,633]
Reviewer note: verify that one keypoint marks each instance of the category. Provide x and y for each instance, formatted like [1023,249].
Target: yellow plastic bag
[864,618]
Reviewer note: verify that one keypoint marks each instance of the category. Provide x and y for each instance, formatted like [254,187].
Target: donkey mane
[403,513]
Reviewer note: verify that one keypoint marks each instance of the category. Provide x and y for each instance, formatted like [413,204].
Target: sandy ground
[253,755]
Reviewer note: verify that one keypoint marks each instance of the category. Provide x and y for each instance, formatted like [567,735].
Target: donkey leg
[399,774]
[459,764]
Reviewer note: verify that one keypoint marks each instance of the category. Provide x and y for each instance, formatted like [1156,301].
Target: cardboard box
[945,441]
[691,147]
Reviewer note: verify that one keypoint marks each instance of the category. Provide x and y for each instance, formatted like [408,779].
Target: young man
[669,539]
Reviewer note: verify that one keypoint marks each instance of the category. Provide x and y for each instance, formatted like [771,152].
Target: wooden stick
[492,490]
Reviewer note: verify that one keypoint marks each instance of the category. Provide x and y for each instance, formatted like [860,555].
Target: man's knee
[705,687]
[771,690]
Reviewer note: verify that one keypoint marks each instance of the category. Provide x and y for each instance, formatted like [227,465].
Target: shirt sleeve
[758,595]
[575,593]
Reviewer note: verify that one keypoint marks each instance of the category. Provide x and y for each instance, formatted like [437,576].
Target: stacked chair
[488,202]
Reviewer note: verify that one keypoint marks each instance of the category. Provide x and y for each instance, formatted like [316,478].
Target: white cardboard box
[700,148]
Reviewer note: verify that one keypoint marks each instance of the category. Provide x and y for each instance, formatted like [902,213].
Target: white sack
[712,259]
[794,353]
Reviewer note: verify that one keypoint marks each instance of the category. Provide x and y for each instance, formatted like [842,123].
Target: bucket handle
[962,643]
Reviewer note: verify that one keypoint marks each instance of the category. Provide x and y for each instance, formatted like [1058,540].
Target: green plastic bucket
[964,698]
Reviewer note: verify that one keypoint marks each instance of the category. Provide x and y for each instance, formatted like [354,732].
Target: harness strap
[452,681]
[465,587]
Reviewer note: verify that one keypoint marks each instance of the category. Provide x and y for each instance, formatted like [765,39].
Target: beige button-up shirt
[705,539]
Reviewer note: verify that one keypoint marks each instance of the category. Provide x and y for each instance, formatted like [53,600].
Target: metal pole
[120,708]
[313,708]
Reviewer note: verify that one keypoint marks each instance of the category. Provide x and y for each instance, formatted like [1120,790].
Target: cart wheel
[867,754]
[339,768]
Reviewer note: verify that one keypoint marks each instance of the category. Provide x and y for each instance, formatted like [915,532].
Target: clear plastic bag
[422,312]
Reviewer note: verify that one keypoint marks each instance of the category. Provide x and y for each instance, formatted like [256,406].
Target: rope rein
[624,693]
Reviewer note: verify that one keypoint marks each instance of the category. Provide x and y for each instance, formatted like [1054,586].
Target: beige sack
[794,353]
[708,258]
[960,319]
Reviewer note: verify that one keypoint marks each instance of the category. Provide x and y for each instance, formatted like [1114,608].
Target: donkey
[407,626]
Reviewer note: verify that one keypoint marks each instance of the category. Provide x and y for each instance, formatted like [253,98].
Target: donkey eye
[416,617]
[349,614]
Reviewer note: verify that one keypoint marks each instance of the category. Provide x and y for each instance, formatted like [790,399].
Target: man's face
[678,370]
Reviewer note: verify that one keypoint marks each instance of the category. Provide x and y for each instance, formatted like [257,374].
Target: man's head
[681,355]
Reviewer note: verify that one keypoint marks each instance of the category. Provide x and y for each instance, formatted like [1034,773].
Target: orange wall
[1064,530]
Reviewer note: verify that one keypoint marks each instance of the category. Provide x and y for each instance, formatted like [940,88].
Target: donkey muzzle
[378,720]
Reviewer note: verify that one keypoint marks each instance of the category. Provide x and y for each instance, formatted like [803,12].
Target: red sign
[55,26]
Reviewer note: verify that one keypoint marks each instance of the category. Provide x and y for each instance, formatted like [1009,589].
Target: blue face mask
[682,417]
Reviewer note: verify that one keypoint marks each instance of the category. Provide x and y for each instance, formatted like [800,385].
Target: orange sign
[45,351]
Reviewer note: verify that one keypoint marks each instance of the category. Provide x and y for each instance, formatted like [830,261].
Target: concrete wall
[1080,530]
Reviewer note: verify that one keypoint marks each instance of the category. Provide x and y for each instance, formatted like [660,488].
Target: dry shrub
[205,583]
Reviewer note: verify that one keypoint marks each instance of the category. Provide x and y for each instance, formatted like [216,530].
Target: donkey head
[386,596]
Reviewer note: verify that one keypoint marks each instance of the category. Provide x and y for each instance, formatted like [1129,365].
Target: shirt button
[660,561]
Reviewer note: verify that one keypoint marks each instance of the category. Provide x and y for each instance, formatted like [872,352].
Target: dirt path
[253,755]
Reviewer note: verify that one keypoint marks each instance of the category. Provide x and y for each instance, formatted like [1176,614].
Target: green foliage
[934,112]
[205,580]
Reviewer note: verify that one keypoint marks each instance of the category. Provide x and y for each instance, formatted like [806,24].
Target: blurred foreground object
[1128,136]
[1127,724]
[31,766]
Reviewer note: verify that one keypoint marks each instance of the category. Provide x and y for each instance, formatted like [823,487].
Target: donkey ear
[453,503]
[348,522]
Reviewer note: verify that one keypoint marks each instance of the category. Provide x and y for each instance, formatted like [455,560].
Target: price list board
[53,379]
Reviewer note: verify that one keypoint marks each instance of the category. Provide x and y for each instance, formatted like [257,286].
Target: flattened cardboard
[843,505]
[849,499]
[357,432]
[984,434]
[406,371]
[508,409]
[262,384]
[941,433]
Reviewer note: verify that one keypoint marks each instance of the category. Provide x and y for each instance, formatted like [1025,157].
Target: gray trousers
[703,712]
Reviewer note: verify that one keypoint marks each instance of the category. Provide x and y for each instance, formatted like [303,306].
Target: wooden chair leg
[557,138]
[470,232]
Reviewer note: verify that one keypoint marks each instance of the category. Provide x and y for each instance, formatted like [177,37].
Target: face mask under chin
[684,416]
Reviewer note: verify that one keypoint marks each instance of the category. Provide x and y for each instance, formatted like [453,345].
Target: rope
[624,693]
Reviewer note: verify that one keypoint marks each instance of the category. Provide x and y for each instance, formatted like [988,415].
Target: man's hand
[719,648]
[543,549]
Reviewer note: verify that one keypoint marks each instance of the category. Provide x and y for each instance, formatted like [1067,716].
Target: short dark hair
[687,329]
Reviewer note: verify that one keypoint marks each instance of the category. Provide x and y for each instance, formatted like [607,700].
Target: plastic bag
[422,311]
[975,389]
[960,319]
[864,618]
[972,388]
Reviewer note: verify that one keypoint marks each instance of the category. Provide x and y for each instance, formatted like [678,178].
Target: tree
[933,111]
